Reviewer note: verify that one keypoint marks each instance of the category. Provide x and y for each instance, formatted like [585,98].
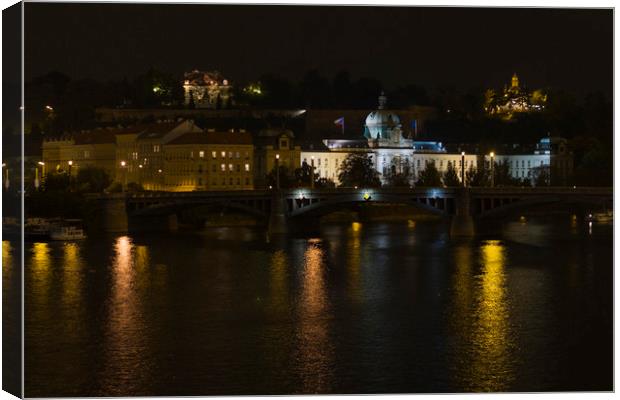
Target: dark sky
[465,47]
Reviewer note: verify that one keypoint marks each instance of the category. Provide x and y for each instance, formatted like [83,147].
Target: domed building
[381,123]
[382,128]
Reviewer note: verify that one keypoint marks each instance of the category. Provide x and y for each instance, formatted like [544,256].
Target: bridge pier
[462,222]
[114,214]
[277,217]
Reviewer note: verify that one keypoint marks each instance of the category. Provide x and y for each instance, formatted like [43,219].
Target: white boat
[67,233]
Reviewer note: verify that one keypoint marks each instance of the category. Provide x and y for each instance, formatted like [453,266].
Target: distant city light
[123,163]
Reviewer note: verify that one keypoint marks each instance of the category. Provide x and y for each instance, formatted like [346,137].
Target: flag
[340,122]
[414,127]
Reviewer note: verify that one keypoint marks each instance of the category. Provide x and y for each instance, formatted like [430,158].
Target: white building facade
[392,153]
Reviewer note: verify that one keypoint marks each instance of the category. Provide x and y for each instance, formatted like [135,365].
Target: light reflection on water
[491,365]
[314,315]
[358,308]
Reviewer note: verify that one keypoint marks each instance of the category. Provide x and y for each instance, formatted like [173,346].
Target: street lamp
[123,164]
[463,168]
[492,169]
[277,172]
[6,179]
[312,173]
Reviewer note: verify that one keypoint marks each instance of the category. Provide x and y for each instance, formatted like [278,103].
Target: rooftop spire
[515,80]
[382,100]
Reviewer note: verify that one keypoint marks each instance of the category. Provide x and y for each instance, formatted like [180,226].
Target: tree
[56,182]
[541,176]
[287,180]
[450,177]
[478,176]
[429,177]
[92,179]
[303,175]
[324,183]
[358,170]
[502,175]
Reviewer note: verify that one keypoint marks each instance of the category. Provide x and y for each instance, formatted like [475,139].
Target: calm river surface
[354,308]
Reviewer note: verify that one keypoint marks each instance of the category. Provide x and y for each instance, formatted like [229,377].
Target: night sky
[467,48]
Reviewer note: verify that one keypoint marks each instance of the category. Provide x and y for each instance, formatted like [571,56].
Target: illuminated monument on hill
[513,100]
[206,90]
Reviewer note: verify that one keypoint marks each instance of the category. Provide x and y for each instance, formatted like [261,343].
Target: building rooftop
[214,138]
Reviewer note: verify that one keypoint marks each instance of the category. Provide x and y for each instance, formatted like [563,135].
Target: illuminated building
[209,161]
[269,143]
[393,153]
[141,148]
[513,99]
[206,90]
[89,148]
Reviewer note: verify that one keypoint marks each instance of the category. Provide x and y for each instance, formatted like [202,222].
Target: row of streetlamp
[491,154]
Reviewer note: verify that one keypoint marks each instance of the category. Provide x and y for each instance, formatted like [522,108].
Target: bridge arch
[520,205]
[319,207]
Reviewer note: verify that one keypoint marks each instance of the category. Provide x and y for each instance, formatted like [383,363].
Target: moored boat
[67,232]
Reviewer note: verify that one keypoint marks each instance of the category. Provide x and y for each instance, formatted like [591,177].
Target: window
[223,181]
[230,154]
[200,168]
[238,168]
[223,154]
[86,154]
[212,167]
[201,154]
[134,155]
[156,148]
[237,155]
[247,155]
[238,181]
[230,167]
[247,167]
[213,154]
[283,143]
[231,181]
[247,181]
[223,167]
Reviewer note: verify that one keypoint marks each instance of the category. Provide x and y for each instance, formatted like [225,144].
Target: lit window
[155,148]
[230,154]
[223,154]
[201,154]
[237,155]
[223,167]
[247,167]
[230,167]
[213,154]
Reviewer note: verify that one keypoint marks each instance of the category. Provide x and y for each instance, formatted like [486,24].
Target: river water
[352,308]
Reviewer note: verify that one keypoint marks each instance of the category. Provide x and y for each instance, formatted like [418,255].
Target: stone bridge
[282,207]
